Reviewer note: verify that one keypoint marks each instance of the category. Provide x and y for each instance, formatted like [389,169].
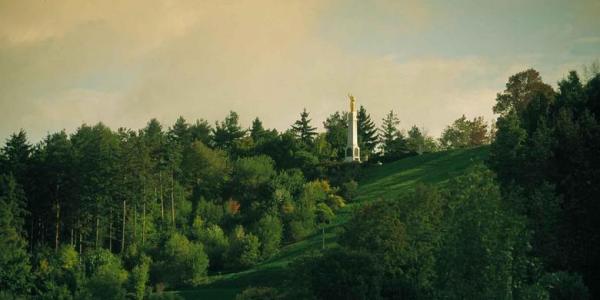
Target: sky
[68,62]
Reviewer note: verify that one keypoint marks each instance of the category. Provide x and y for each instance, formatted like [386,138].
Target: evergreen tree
[303,130]
[228,132]
[17,153]
[393,144]
[336,133]
[367,132]
[14,259]
[257,131]
[201,131]
[180,132]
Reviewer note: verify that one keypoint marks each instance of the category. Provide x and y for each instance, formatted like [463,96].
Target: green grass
[389,181]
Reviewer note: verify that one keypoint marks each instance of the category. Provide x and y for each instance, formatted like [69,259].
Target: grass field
[388,181]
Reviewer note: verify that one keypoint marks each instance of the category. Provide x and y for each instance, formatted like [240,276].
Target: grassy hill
[386,181]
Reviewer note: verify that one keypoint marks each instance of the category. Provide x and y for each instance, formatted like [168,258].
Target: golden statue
[352,103]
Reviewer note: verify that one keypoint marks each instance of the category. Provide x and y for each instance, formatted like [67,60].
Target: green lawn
[388,181]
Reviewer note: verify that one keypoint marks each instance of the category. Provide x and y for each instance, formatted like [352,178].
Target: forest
[133,214]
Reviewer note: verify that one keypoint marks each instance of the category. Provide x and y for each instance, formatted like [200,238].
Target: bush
[181,261]
[258,293]
[563,286]
[106,276]
[139,277]
[337,274]
[244,251]
[269,232]
[349,189]
[215,244]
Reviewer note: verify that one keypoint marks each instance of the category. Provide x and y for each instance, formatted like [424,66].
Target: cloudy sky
[64,63]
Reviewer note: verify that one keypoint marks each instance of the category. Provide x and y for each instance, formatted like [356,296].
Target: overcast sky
[64,63]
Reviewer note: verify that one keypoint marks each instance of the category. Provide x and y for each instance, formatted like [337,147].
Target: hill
[388,181]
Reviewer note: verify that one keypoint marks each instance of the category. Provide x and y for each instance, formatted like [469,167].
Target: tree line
[101,212]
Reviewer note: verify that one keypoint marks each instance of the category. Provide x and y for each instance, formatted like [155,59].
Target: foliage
[349,189]
[465,133]
[228,132]
[418,142]
[269,231]
[546,148]
[258,293]
[403,236]
[106,276]
[337,274]
[14,259]
[215,244]
[367,132]
[303,130]
[483,243]
[336,131]
[244,250]
[563,285]
[393,143]
[181,261]
[140,276]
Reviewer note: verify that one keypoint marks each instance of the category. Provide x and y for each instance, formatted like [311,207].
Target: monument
[352,149]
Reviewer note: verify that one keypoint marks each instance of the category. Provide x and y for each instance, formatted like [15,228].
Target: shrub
[258,293]
[269,232]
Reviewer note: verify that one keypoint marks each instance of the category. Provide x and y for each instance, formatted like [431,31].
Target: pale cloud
[63,63]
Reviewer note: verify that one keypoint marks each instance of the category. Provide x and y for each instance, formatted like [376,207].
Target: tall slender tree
[303,130]
[336,131]
[367,132]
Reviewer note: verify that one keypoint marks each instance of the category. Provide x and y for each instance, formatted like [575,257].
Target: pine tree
[257,131]
[367,132]
[389,130]
[303,130]
[392,141]
[227,132]
[336,133]
[17,153]
[14,261]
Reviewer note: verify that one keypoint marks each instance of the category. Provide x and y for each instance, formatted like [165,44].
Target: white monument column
[352,150]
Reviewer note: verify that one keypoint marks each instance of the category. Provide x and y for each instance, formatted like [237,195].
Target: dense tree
[403,236]
[545,155]
[257,131]
[418,142]
[393,143]
[337,274]
[228,132]
[303,130]
[206,170]
[269,231]
[15,276]
[181,261]
[521,88]
[250,179]
[484,245]
[465,133]
[336,132]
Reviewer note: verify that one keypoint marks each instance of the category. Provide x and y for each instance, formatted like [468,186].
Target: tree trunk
[144,223]
[123,232]
[97,229]
[80,240]
[162,203]
[135,223]
[72,242]
[110,236]
[57,229]
[323,237]
[172,200]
